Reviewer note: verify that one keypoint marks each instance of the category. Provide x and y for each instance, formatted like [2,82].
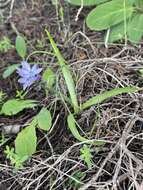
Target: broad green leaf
[108,14]
[72,126]
[49,77]
[66,73]
[10,70]
[44,119]
[135,28]
[21,46]
[117,32]
[86,2]
[108,94]
[25,143]
[14,106]
[139,4]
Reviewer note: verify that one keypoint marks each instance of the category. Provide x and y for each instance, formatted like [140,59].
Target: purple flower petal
[25,65]
[22,80]
[28,74]
[36,70]
[22,73]
[30,81]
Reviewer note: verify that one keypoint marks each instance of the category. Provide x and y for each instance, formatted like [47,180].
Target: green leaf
[86,2]
[25,143]
[73,129]
[66,73]
[10,70]
[108,94]
[14,106]
[49,77]
[135,28]
[44,119]
[139,4]
[108,14]
[72,126]
[21,46]
[117,32]
[75,184]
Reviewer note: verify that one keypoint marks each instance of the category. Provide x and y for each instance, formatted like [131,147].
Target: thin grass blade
[108,94]
[72,126]
[66,73]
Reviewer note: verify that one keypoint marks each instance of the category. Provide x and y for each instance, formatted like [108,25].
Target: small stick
[79,11]
[120,144]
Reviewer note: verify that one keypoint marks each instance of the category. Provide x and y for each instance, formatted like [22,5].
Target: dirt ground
[118,165]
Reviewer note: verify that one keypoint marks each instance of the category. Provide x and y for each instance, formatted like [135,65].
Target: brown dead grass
[118,165]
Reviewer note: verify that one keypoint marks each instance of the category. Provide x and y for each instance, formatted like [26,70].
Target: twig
[120,144]
[11,9]
[79,11]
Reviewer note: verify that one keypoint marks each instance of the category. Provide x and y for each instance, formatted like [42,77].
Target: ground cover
[61,161]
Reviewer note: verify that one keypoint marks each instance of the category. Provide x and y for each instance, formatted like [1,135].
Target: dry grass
[118,165]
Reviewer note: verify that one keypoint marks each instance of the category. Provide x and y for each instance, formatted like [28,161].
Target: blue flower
[28,74]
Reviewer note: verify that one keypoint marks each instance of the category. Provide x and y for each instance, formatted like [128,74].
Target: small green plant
[21,49]
[72,124]
[5,44]
[86,156]
[26,139]
[20,94]
[79,176]
[2,96]
[66,73]
[3,139]
[15,160]
[122,18]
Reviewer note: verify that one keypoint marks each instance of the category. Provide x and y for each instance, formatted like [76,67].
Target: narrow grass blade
[66,73]
[108,94]
[72,126]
